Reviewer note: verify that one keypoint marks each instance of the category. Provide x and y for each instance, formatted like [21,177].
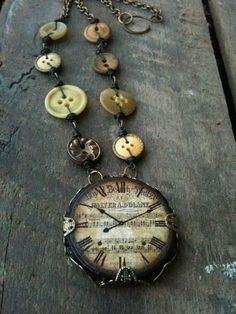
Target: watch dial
[120,222]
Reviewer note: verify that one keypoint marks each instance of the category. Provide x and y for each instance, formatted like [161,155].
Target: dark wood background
[190,155]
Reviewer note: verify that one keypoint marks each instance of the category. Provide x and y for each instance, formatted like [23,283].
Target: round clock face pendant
[120,229]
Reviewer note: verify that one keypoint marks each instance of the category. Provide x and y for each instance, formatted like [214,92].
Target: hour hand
[102,211]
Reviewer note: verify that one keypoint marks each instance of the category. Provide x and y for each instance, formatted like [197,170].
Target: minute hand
[102,211]
[123,222]
[147,211]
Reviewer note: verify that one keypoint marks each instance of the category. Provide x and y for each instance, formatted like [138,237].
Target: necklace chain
[156,12]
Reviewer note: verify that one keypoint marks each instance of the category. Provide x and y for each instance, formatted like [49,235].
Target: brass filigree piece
[171,222]
[68,226]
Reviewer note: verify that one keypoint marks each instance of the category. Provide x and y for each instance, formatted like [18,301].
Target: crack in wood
[21,77]
[5,261]
[4,143]
[220,65]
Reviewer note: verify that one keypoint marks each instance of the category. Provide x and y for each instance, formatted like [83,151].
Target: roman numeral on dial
[157,243]
[85,243]
[160,223]
[140,191]
[101,191]
[82,224]
[100,258]
[144,258]
[154,206]
[120,186]
[122,262]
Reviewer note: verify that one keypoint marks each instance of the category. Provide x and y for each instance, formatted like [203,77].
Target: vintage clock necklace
[119,230]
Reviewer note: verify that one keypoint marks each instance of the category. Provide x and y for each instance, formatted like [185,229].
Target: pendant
[120,230]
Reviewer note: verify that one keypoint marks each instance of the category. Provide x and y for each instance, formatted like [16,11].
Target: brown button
[81,149]
[128,146]
[104,62]
[97,30]
[115,101]
[46,62]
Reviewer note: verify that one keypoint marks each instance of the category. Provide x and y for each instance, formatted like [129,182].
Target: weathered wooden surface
[183,119]
[224,16]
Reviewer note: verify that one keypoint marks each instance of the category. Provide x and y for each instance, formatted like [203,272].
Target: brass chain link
[83,9]
[66,9]
[124,18]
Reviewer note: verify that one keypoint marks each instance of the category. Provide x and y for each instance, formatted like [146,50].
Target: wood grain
[190,155]
[223,14]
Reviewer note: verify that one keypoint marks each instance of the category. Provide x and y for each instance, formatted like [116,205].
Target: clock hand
[123,222]
[102,211]
[147,211]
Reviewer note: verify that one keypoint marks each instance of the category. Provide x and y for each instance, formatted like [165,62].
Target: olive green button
[104,62]
[60,101]
[46,62]
[55,30]
[97,30]
[114,101]
[128,146]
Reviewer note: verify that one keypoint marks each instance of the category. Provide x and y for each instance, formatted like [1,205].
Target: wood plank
[224,15]
[183,119]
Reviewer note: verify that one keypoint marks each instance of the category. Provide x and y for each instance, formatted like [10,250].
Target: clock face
[121,222]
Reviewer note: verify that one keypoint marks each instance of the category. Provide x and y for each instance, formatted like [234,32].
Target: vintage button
[81,149]
[97,30]
[128,146]
[104,62]
[55,30]
[62,100]
[115,101]
[46,62]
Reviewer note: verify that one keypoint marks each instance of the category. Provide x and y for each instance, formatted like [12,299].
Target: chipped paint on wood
[228,269]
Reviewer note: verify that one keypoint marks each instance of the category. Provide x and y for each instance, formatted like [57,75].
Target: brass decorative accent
[68,225]
[171,222]
[125,276]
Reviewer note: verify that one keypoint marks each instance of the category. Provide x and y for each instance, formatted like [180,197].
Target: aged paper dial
[121,222]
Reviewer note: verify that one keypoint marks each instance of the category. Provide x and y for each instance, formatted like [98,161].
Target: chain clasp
[127,18]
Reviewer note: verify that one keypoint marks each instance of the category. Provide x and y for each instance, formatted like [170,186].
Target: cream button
[62,100]
[114,101]
[46,62]
[55,30]
[128,146]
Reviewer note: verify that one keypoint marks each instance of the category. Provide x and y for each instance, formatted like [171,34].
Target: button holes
[127,142]
[67,105]
[132,145]
[123,146]
[43,61]
[59,102]
[96,28]
[106,65]
[104,60]
[71,99]
[51,59]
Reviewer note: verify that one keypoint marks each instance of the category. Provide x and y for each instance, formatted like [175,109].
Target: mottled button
[81,149]
[55,30]
[114,101]
[104,62]
[97,30]
[62,100]
[46,62]
[128,146]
